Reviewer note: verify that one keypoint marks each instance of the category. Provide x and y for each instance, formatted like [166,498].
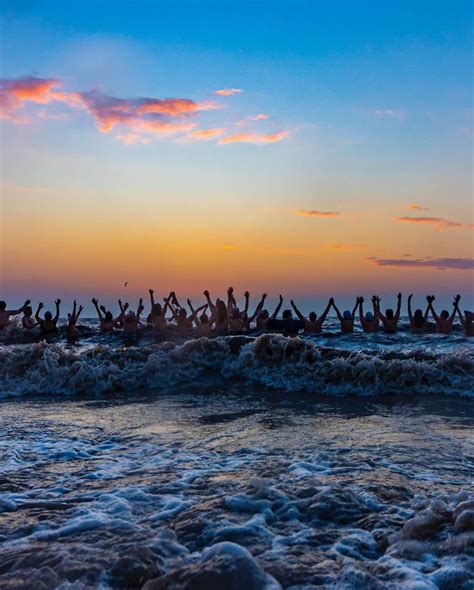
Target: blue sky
[373,101]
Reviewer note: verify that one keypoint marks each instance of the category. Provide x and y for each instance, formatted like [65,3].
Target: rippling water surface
[205,487]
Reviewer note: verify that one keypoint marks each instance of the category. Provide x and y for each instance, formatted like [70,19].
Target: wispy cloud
[253,118]
[228,91]
[390,113]
[438,263]
[206,133]
[440,222]
[131,138]
[14,93]
[256,138]
[416,207]
[306,213]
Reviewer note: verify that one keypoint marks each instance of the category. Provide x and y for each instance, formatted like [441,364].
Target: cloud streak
[437,263]
[206,133]
[255,138]
[228,91]
[389,113]
[439,222]
[307,213]
[415,207]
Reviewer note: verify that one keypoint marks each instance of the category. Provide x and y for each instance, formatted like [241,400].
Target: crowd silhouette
[220,317]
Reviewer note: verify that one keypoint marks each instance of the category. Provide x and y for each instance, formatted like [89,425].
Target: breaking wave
[271,360]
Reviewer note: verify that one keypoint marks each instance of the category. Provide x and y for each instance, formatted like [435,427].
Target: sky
[312,149]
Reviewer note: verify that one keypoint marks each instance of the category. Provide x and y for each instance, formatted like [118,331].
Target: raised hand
[430,298]
[27,302]
[150,291]
[125,306]
[331,301]
[206,293]
[80,308]
[246,294]
[399,296]
[281,299]
[58,302]
[95,301]
[40,306]
[457,299]
[189,301]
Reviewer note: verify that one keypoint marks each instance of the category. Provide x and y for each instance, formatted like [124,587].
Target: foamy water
[211,486]
[236,462]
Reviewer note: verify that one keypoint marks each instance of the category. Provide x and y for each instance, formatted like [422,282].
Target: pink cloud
[228,91]
[428,262]
[131,138]
[306,213]
[14,93]
[437,221]
[256,138]
[206,133]
[260,117]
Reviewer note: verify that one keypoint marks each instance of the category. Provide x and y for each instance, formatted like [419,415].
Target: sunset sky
[308,148]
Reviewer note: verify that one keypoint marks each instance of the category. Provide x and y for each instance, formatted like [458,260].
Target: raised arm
[356,305]
[410,314]
[399,307]
[277,309]
[326,311]
[456,301]
[258,309]
[140,308]
[96,305]
[190,305]
[430,299]
[56,317]
[361,310]
[297,311]
[208,299]
[152,297]
[247,300]
[338,313]
[37,316]
[230,298]
[79,312]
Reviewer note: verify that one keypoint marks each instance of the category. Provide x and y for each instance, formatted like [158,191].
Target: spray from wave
[270,360]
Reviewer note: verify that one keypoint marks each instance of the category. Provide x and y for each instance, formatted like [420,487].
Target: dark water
[322,492]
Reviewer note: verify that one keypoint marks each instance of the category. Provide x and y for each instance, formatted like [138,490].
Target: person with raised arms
[346,318]
[263,316]
[48,325]
[131,322]
[370,320]
[444,321]
[203,326]
[107,321]
[313,324]
[28,320]
[390,319]
[418,320]
[72,331]
[6,313]
[249,319]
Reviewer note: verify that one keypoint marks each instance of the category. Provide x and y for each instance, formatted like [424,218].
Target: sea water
[331,462]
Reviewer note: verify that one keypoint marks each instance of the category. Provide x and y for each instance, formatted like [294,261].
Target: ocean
[237,462]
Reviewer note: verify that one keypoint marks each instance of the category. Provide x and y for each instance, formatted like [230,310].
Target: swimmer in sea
[313,324]
[444,321]
[467,322]
[157,315]
[48,325]
[390,319]
[237,318]
[418,320]
[263,316]
[346,318]
[249,319]
[203,326]
[28,320]
[370,320]
[106,319]
[6,313]
[220,318]
[72,332]
[131,322]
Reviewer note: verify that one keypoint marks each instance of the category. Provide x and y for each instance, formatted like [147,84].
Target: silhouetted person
[390,319]
[48,325]
[72,332]
[313,324]
[444,321]
[418,320]
[346,318]
[6,313]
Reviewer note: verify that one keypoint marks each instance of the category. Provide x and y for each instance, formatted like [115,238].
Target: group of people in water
[220,317]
